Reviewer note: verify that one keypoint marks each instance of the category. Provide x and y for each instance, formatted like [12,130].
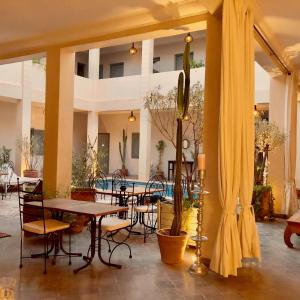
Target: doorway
[103,146]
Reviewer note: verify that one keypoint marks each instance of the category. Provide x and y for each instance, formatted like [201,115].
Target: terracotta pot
[172,248]
[265,207]
[31,173]
[84,194]
[124,172]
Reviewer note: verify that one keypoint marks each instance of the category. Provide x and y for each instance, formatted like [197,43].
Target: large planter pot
[124,172]
[31,173]
[83,194]
[172,248]
[262,201]
[189,219]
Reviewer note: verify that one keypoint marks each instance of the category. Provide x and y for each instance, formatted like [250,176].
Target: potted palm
[172,241]
[267,138]
[122,151]
[30,147]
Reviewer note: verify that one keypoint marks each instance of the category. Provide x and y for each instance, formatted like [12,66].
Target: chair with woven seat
[108,228]
[47,228]
[146,209]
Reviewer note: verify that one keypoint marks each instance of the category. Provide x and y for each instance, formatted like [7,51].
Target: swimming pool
[107,185]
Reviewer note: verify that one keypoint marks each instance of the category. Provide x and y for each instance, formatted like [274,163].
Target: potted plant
[85,165]
[122,151]
[4,156]
[172,241]
[30,148]
[267,138]
[160,146]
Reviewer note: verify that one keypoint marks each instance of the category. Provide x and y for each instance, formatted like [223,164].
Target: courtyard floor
[144,276]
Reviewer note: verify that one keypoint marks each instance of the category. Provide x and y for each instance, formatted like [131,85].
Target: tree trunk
[176,224]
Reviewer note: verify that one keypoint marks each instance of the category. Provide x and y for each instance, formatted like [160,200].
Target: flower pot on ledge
[31,173]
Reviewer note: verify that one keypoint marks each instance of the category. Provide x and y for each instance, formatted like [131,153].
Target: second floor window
[179,60]
[101,72]
[81,69]
[116,70]
[156,64]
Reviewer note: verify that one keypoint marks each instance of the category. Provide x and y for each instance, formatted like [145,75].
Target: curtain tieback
[246,207]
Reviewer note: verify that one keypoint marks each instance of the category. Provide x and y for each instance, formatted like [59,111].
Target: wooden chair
[31,206]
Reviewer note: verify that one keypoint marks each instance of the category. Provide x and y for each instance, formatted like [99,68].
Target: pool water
[108,186]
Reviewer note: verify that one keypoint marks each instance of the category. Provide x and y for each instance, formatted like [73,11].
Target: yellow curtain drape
[226,257]
[246,225]
[290,189]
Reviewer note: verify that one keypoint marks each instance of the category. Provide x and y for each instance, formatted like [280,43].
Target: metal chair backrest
[155,189]
[118,180]
[100,181]
[27,193]
[8,170]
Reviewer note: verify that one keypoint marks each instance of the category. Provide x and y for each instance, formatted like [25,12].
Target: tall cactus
[122,150]
[183,91]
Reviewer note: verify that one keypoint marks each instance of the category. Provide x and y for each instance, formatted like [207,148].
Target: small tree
[164,116]
[267,138]
[30,148]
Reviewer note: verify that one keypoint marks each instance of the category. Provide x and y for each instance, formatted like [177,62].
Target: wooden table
[293,226]
[92,210]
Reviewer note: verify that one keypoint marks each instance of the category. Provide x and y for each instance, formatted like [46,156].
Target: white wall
[8,128]
[132,63]
[114,124]
[167,53]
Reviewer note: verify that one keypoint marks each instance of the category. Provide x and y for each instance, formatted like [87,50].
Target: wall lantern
[133,50]
[132,117]
[188,38]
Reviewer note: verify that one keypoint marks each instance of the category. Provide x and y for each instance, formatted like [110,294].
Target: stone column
[145,118]
[58,121]
[212,207]
[24,115]
[94,63]
[278,115]
[92,129]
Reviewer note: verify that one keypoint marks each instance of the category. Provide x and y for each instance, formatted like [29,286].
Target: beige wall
[113,124]
[8,128]
[79,131]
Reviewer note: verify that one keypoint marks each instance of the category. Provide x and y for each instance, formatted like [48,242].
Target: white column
[145,118]
[92,129]
[278,115]
[94,63]
[24,114]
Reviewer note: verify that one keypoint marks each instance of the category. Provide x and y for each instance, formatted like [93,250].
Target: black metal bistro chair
[147,207]
[31,207]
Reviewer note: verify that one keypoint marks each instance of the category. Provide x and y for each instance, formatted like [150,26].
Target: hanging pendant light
[133,50]
[132,117]
[188,38]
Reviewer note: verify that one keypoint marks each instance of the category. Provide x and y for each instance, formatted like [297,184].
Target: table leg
[90,258]
[99,248]
[287,237]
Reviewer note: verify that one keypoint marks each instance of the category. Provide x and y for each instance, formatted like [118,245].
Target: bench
[293,226]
